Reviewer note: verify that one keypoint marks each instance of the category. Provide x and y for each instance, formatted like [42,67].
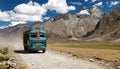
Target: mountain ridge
[71,26]
[68,26]
[109,26]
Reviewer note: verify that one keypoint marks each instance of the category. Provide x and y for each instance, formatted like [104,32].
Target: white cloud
[60,6]
[33,11]
[25,17]
[4,16]
[46,18]
[99,4]
[16,22]
[2,27]
[93,1]
[86,0]
[77,3]
[31,8]
[113,3]
[13,23]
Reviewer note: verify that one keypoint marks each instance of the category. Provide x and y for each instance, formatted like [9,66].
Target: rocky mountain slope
[72,26]
[66,26]
[109,26]
[15,31]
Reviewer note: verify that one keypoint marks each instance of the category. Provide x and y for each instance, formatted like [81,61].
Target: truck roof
[36,29]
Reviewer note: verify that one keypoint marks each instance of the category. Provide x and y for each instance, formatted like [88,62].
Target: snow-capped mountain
[96,12]
[108,27]
[72,26]
[84,11]
[68,25]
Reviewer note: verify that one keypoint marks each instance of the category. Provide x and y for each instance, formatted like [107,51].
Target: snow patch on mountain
[83,12]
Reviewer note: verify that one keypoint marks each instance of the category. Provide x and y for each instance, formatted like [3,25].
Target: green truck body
[35,39]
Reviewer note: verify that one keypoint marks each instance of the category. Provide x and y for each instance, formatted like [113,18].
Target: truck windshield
[33,35]
[42,36]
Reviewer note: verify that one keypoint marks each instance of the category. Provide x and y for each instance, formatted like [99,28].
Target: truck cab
[35,39]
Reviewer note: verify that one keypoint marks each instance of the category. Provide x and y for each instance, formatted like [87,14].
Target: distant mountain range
[108,28]
[15,31]
[72,26]
[91,23]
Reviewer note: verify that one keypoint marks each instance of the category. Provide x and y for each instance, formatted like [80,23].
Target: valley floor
[109,53]
[54,60]
[71,55]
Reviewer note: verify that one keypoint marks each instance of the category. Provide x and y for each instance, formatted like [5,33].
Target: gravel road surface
[53,60]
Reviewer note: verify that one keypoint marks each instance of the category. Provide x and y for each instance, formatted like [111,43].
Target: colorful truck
[35,39]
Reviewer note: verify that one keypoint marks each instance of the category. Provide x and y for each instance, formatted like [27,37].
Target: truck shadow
[26,52]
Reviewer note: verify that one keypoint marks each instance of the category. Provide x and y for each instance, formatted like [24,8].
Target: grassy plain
[106,51]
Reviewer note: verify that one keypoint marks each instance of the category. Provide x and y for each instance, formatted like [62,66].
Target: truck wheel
[25,48]
[43,51]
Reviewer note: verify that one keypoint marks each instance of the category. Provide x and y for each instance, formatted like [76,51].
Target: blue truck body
[35,39]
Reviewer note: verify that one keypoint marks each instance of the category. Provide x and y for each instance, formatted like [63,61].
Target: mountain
[71,26]
[96,12]
[65,26]
[109,26]
[84,12]
[15,31]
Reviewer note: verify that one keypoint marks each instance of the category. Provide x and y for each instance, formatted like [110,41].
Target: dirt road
[53,60]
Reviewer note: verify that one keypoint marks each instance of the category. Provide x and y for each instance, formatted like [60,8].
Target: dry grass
[100,51]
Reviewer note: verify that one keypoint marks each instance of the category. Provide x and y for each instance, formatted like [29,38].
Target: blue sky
[13,12]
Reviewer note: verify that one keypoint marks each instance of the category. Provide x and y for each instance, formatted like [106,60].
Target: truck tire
[43,51]
[25,48]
